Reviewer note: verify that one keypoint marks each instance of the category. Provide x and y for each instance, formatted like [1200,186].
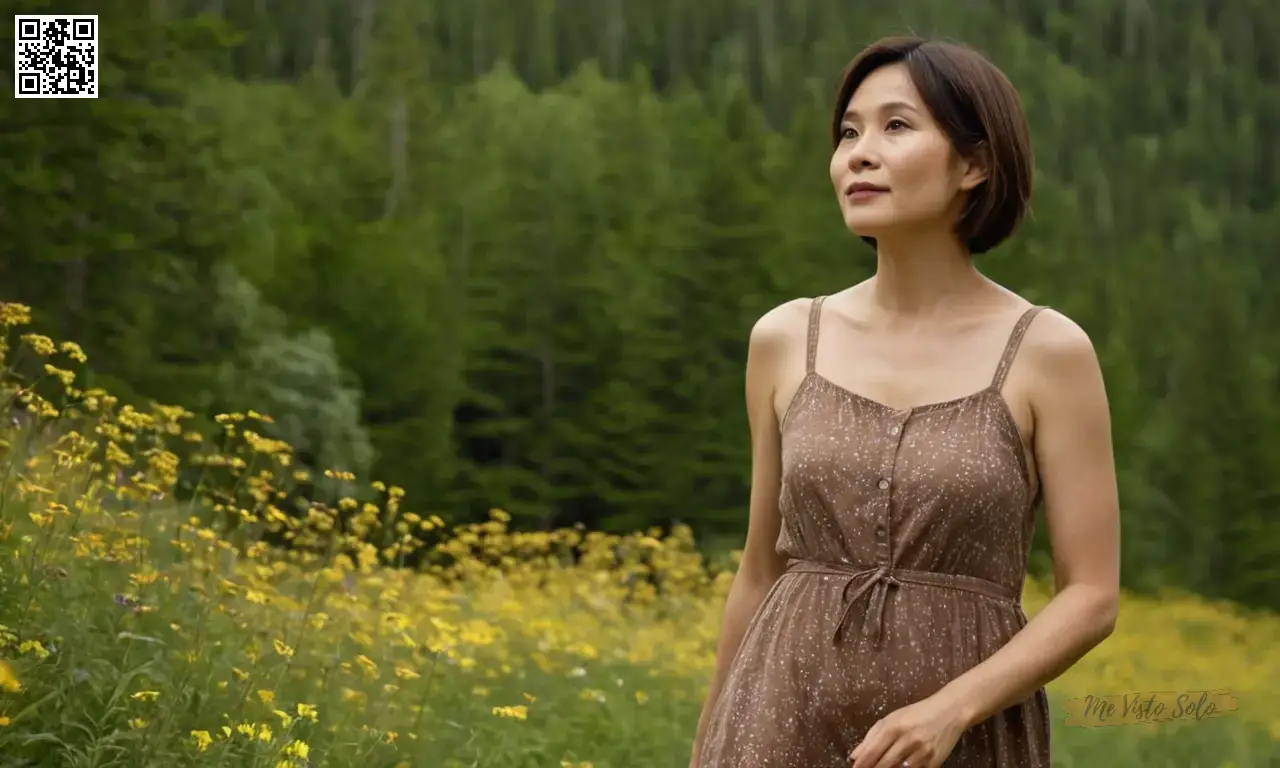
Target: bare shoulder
[1064,366]
[1058,345]
[775,357]
[777,329]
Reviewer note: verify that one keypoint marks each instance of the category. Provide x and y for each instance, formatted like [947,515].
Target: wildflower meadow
[178,597]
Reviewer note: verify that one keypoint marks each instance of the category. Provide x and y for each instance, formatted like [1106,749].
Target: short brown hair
[979,111]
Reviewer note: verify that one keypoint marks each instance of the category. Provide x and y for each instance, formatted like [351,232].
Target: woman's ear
[976,167]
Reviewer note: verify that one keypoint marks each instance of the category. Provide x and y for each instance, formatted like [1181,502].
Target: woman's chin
[868,226]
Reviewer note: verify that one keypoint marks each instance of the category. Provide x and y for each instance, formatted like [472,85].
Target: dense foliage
[508,255]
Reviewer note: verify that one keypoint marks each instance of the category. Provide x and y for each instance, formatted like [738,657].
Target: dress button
[895,429]
[883,484]
[879,531]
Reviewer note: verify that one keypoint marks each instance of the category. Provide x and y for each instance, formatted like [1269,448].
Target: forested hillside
[508,254]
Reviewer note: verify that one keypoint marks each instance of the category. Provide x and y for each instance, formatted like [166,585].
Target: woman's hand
[920,735]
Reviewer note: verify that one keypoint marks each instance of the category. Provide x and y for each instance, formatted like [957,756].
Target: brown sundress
[907,534]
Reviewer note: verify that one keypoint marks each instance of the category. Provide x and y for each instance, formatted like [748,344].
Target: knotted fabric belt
[880,578]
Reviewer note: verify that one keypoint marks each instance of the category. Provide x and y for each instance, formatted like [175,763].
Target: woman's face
[894,169]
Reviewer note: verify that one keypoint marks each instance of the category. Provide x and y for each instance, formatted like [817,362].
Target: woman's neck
[921,277]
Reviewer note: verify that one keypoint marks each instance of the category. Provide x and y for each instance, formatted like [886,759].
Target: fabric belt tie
[878,580]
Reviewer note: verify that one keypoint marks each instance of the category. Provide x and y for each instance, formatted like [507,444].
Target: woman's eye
[848,133]
[896,122]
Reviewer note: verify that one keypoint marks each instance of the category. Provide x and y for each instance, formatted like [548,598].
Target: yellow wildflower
[368,664]
[41,345]
[12,314]
[404,673]
[33,646]
[202,739]
[520,712]
[73,351]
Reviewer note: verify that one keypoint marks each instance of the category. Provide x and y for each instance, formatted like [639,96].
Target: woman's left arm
[1076,467]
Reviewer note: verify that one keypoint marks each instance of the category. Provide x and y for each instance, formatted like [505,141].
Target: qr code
[56,57]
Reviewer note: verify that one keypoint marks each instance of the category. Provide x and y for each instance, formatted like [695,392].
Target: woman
[904,431]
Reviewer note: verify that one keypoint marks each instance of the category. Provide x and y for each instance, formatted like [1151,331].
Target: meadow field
[166,600]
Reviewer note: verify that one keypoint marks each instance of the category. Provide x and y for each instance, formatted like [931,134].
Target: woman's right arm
[760,565]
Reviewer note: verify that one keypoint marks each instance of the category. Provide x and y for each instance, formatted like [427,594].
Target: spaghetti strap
[1011,349]
[815,315]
